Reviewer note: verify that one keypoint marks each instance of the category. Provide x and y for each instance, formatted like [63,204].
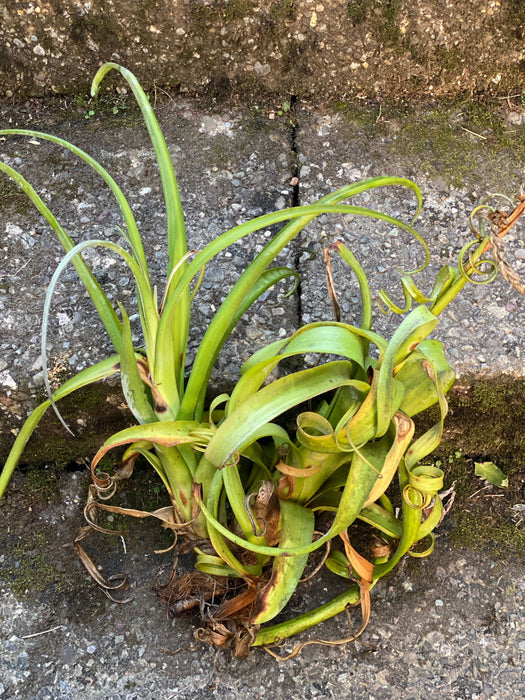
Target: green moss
[383,14]
[99,407]
[481,530]
[11,194]
[229,10]
[364,118]
[43,484]
[109,110]
[32,570]
[358,10]
[458,142]
[486,417]
[146,491]
[480,518]
[283,10]
[237,9]
[448,59]
[389,29]
[463,142]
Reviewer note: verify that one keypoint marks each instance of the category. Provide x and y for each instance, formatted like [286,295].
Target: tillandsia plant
[345,454]
[244,491]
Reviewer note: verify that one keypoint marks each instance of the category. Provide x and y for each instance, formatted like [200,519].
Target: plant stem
[270,635]
[442,302]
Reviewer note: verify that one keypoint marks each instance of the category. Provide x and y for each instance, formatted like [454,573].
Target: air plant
[345,454]
[244,491]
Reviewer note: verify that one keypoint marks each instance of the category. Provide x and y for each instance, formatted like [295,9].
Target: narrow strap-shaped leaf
[214,566]
[236,497]
[382,520]
[305,488]
[143,448]
[176,229]
[411,292]
[414,328]
[180,479]
[432,520]
[316,433]
[267,280]
[297,527]
[330,339]
[232,481]
[420,392]
[364,288]
[404,431]
[334,483]
[361,478]
[132,384]
[271,401]
[359,426]
[411,523]
[282,630]
[312,335]
[428,442]
[177,245]
[142,285]
[216,538]
[303,216]
[131,225]
[167,434]
[466,275]
[327,204]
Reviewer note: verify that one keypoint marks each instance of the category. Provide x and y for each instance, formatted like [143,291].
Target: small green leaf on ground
[491,473]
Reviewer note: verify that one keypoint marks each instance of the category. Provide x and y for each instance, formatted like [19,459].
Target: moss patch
[10,193]
[31,567]
[464,142]
[459,141]
[382,15]
[486,422]
[94,413]
[486,418]
[480,529]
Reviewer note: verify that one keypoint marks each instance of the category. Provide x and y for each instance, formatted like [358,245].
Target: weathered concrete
[481,329]
[326,50]
[233,166]
[231,169]
[449,626]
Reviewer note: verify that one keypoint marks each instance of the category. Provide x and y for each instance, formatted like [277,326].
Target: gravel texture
[481,328]
[450,626]
[229,171]
[232,167]
[333,49]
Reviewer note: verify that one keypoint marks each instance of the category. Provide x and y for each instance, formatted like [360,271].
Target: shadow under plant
[59,634]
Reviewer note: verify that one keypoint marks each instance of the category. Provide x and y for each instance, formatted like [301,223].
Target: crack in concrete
[295,194]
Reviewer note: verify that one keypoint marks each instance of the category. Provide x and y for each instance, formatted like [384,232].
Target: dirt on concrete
[450,625]
[325,51]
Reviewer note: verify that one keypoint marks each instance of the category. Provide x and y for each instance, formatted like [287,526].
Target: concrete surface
[331,50]
[448,626]
[233,166]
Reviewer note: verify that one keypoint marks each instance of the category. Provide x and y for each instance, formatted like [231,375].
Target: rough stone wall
[317,49]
